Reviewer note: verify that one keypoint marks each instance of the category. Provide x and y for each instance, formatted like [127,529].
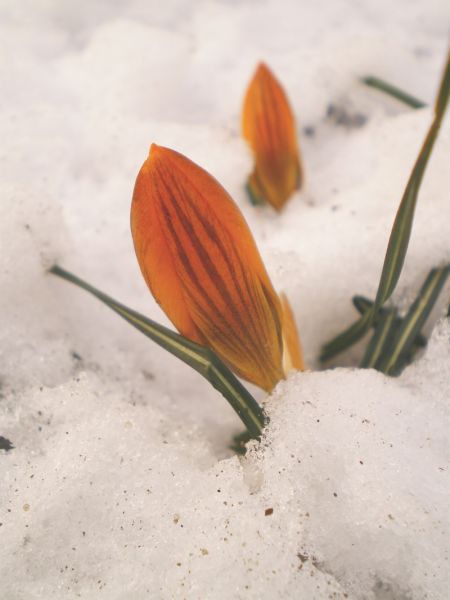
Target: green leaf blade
[400,233]
[414,320]
[401,230]
[362,304]
[348,337]
[199,358]
[393,91]
[380,339]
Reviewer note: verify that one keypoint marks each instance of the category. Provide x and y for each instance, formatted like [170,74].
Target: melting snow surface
[116,480]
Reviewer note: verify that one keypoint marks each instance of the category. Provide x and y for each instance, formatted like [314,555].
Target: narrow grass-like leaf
[380,339]
[203,360]
[414,320]
[363,304]
[394,91]
[401,230]
[348,337]
[400,233]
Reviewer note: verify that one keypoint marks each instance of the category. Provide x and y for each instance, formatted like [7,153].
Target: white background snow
[120,484]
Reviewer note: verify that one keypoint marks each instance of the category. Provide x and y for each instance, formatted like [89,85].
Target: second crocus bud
[268,125]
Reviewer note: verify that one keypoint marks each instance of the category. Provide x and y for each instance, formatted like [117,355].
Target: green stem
[393,91]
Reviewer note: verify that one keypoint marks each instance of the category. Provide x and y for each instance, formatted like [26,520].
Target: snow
[120,483]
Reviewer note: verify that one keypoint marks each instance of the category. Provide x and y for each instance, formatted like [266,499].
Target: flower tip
[155,153]
[262,68]
[154,150]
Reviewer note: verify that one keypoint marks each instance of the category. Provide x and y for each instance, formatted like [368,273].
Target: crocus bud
[268,125]
[201,263]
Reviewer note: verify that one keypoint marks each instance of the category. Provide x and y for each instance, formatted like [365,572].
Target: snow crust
[120,483]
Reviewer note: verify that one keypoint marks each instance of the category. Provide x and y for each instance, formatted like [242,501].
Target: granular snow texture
[116,480]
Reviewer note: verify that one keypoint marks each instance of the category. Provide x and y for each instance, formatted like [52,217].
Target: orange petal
[201,263]
[269,127]
[293,353]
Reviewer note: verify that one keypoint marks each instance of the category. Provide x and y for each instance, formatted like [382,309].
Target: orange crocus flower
[268,125]
[201,263]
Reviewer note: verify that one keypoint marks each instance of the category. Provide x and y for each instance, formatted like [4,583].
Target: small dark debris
[5,444]
[268,512]
[148,375]
[76,356]
[345,118]
[331,109]
[334,494]
[303,557]
[421,52]
[309,131]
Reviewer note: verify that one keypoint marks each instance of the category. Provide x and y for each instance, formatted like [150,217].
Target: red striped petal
[201,263]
